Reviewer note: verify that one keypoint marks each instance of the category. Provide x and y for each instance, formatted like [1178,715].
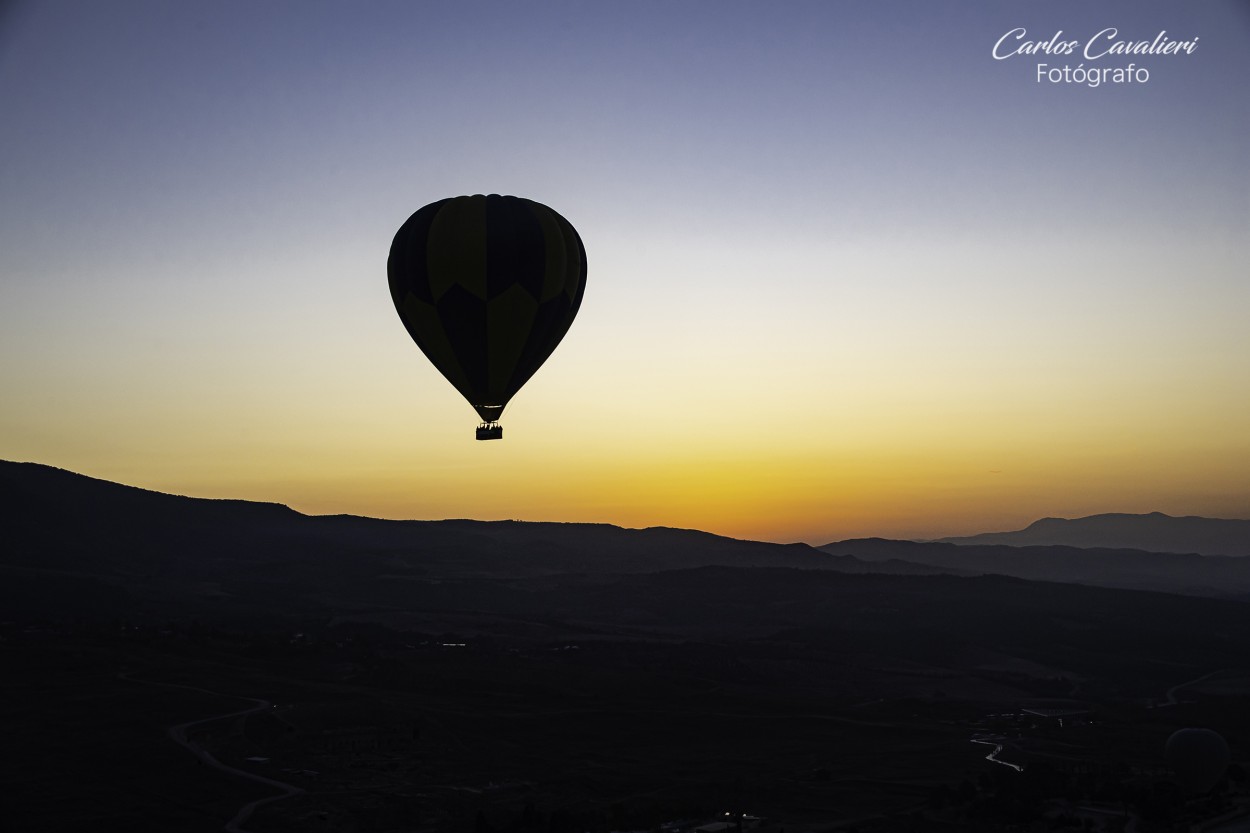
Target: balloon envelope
[1199,757]
[487,286]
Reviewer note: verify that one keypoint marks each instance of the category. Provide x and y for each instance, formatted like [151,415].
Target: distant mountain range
[1154,532]
[85,550]
[78,545]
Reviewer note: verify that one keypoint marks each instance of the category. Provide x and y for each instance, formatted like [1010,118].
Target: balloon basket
[490,431]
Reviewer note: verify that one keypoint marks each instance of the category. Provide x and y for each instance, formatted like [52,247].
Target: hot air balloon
[487,286]
[1199,757]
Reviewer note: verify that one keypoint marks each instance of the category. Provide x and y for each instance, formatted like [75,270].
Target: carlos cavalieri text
[1103,45]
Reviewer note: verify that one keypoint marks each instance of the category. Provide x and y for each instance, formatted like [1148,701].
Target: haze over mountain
[1197,575]
[1154,532]
[1192,555]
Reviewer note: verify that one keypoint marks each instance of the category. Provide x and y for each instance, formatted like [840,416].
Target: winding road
[179,736]
[998,748]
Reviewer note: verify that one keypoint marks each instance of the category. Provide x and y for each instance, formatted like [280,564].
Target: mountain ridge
[1151,532]
[154,545]
[59,526]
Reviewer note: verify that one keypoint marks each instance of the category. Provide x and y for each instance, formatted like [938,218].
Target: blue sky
[842,261]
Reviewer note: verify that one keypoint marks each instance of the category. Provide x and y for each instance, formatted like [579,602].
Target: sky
[856,267]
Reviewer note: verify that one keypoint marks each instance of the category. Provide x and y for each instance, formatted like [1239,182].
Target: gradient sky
[849,274]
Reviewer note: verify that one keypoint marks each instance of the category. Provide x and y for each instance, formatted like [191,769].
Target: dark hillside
[463,675]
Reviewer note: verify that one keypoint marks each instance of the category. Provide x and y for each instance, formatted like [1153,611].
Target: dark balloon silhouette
[1198,757]
[487,286]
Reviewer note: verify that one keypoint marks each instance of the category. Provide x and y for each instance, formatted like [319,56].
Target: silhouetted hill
[85,546]
[1154,532]
[1222,576]
[68,531]
[102,544]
